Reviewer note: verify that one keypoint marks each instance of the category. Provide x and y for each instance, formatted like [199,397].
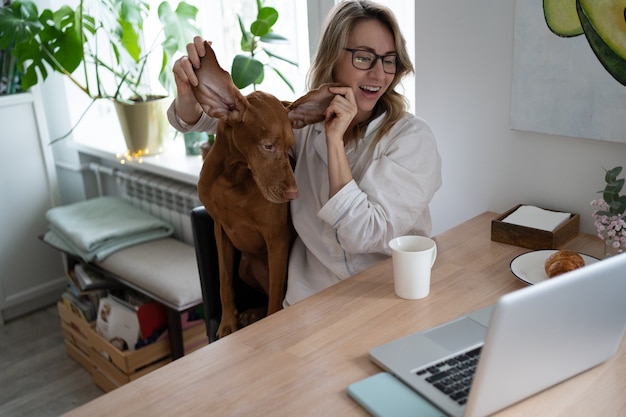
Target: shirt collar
[320,141]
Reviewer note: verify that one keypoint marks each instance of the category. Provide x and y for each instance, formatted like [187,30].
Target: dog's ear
[310,108]
[216,92]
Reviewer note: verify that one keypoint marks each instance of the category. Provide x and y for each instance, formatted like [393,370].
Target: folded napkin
[93,229]
[537,218]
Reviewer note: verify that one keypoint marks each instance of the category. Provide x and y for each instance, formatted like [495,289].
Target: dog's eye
[268,146]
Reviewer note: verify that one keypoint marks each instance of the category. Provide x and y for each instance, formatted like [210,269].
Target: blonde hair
[337,28]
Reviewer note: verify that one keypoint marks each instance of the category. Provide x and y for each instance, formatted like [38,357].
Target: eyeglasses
[365,60]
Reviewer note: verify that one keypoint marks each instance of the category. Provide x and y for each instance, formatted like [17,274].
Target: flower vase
[611,248]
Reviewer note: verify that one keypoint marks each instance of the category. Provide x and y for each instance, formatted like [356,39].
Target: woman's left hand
[340,112]
[339,116]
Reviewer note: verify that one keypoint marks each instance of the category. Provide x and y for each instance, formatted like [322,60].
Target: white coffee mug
[413,258]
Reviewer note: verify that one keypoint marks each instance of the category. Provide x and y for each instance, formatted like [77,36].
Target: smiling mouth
[370,89]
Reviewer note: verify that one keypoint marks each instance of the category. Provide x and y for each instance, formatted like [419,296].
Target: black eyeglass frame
[376,58]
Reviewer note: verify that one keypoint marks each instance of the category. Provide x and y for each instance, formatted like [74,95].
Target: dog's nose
[291,193]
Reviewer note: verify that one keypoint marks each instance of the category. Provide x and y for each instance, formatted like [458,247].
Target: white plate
[530,267]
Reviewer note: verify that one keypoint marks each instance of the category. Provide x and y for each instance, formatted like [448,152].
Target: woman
[369,171]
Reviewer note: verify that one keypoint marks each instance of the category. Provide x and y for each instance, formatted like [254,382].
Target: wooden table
[300,360]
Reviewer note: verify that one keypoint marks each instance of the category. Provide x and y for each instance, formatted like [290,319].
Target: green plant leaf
[260,79]
[259,28]
[57,45]
[611,192]
[273,38]
[130,40]
[615,207]
[273,55]
[266,18]
[267,14]
[68,34]
[617,185]
[18,21]
[245,71]
[131,15]
[621,208]
[178,28]
[247,40]
[611,174]
[132,11]
[280,74]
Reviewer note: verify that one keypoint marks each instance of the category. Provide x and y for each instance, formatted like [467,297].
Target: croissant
[563,261]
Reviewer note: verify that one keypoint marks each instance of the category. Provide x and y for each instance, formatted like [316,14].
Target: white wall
[464,54]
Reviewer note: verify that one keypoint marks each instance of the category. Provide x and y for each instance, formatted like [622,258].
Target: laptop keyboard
[453,376]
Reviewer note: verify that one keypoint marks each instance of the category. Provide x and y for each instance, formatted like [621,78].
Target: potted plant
[103,51]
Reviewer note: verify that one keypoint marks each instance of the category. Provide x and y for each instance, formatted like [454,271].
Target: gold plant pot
[144,124]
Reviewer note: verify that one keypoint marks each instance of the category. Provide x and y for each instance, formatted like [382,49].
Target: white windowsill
[171,163]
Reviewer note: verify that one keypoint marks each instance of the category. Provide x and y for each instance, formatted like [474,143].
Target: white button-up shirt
[393,184]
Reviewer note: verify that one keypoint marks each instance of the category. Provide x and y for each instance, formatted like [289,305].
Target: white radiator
[165,198]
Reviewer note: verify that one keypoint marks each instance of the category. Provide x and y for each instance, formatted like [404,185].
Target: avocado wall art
[569,68]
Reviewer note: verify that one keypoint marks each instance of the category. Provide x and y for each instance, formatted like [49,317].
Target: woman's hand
[184,67]
[186,104]
[340,113]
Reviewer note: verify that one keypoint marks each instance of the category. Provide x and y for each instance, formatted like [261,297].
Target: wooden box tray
[109,366]
[530,238]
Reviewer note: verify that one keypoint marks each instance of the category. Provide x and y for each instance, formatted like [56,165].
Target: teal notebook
[382,395]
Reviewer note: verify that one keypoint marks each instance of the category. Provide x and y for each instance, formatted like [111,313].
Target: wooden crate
[111,367]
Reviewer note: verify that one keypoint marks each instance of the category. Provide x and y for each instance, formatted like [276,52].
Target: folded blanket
[93,229]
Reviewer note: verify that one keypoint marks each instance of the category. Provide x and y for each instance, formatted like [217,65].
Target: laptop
[529,340]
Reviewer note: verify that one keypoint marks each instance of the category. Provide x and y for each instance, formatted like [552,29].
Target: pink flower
[611,227]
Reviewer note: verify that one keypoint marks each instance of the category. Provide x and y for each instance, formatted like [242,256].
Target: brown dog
[246,182]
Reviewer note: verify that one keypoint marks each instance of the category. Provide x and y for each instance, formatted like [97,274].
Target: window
[300,22]
[292,24]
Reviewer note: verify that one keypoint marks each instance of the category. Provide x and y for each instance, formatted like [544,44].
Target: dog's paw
[252,315]
[227,327]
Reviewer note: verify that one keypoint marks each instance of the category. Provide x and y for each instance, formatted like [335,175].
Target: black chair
[246,297]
